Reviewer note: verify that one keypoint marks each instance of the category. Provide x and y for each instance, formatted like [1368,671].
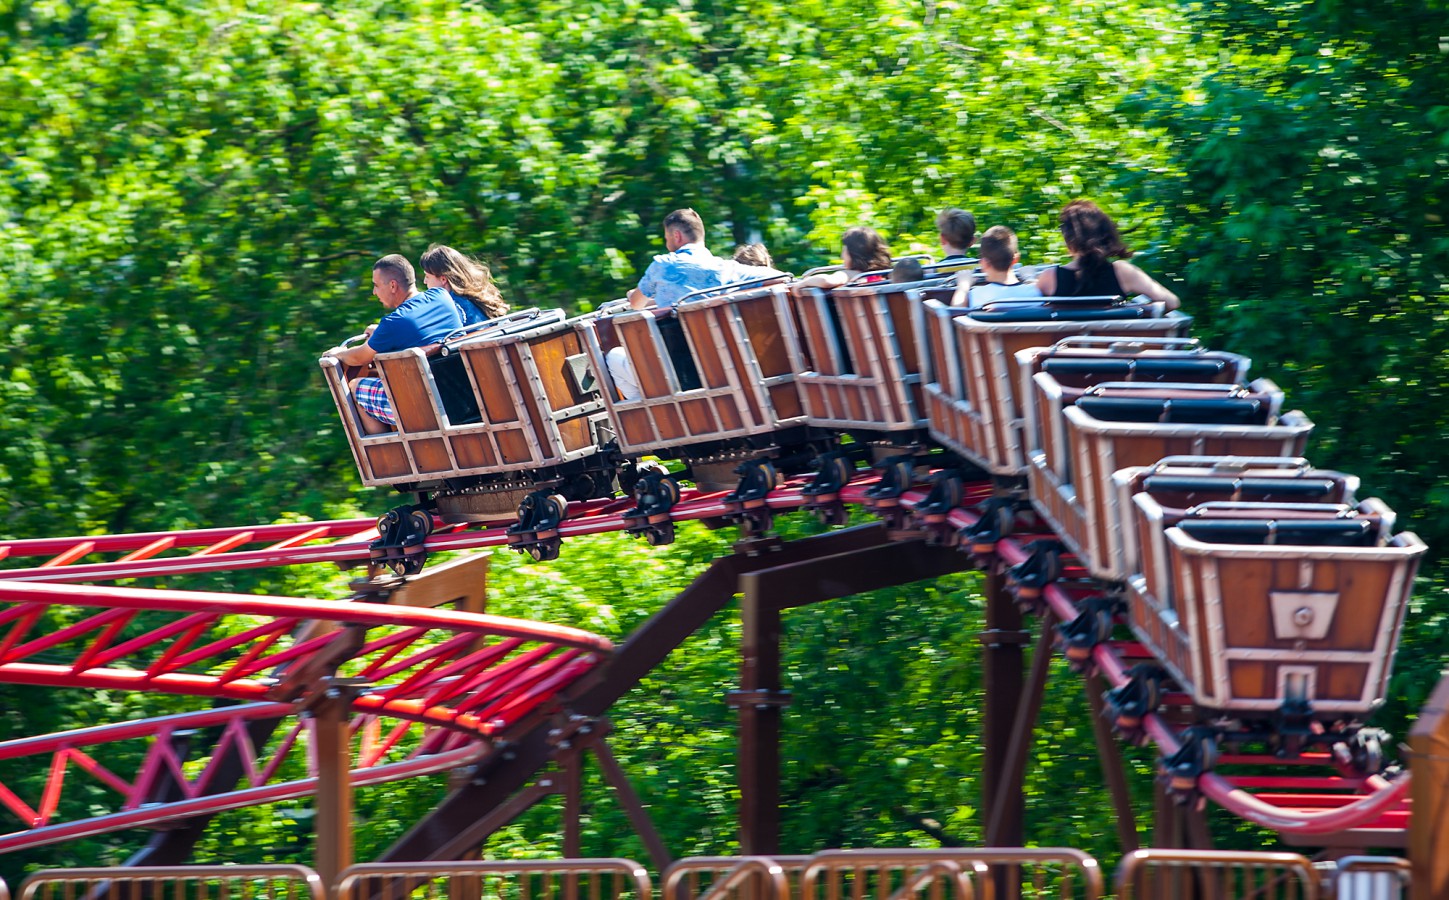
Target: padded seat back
[1356,532]
[1197,411]
[1048,312]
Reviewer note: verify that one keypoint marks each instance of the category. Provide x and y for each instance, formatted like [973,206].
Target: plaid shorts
[372,399]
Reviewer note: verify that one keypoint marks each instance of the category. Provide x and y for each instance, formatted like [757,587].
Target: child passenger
[999,257]
[754,255]
[862,250]
[907,270]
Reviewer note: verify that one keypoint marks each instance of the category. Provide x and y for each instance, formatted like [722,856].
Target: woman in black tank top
[1099,266]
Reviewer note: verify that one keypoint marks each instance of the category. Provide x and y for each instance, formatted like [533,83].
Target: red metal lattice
[441,684]
[383,751]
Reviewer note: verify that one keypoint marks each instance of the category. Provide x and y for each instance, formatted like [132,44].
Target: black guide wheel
[998,520]
[1130,703]
[388,527]
[748,501]
[1362,754]
[1092,626]
[537,530]
[1198,754]
[655,494]
[833,471]
[1043,566]
[897,474]
[945,495]
[414,530]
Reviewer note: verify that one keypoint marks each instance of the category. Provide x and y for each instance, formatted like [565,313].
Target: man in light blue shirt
[688,266]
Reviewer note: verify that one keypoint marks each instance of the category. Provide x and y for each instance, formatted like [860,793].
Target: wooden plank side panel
[727,412]
[431,455]
[743,397]
[388,460]
[575,434]
[1244,583]
[547,450]
[903,323]
[1346,682]
[513,445]
[486,364]
[667,420]
[818,334]
[937,338]
[409,391]
[698,417]
[1251,680]
[473,450]
[814,397]
[856,403]
[647,356]
[855,320]
[635,427]
[549,354]
[786,400]
[710,356]
[1200,622]
[767,335]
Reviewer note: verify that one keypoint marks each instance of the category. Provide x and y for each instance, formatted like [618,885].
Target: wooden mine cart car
[716,375]
[971,389]
[863,366]
[1088,434]
[484,417]
[1265,588]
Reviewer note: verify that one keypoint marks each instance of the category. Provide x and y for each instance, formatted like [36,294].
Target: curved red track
[463,678]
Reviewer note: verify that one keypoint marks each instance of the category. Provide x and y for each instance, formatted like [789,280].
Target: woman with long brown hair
[861,250]
[467,279]
[1099,265]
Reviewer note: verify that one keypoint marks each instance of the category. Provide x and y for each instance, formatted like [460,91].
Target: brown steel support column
[633,806]
[1167,830]
[759,701]
[334,785]
[571,764]
[1110,755]
[760,698]
[1002,666]
[1007,791]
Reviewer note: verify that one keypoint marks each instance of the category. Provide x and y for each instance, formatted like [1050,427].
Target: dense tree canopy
[192,194]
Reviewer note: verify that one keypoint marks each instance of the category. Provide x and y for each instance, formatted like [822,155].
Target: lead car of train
[1269,593]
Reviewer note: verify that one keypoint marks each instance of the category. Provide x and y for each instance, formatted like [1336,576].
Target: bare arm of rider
[359,355]
[637,300]
[1136,281]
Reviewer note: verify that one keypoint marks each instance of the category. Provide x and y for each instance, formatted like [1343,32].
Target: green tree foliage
[192,195]
[1308,216]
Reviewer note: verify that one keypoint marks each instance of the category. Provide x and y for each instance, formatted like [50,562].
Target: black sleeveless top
[1101,282]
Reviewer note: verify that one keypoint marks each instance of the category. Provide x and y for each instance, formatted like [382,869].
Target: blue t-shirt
[422,319]
[469,309]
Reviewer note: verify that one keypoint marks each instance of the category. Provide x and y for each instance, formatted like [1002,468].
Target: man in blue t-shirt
[414,320]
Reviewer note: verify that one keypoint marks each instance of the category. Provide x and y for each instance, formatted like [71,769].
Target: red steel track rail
[452,683]
[71,559]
